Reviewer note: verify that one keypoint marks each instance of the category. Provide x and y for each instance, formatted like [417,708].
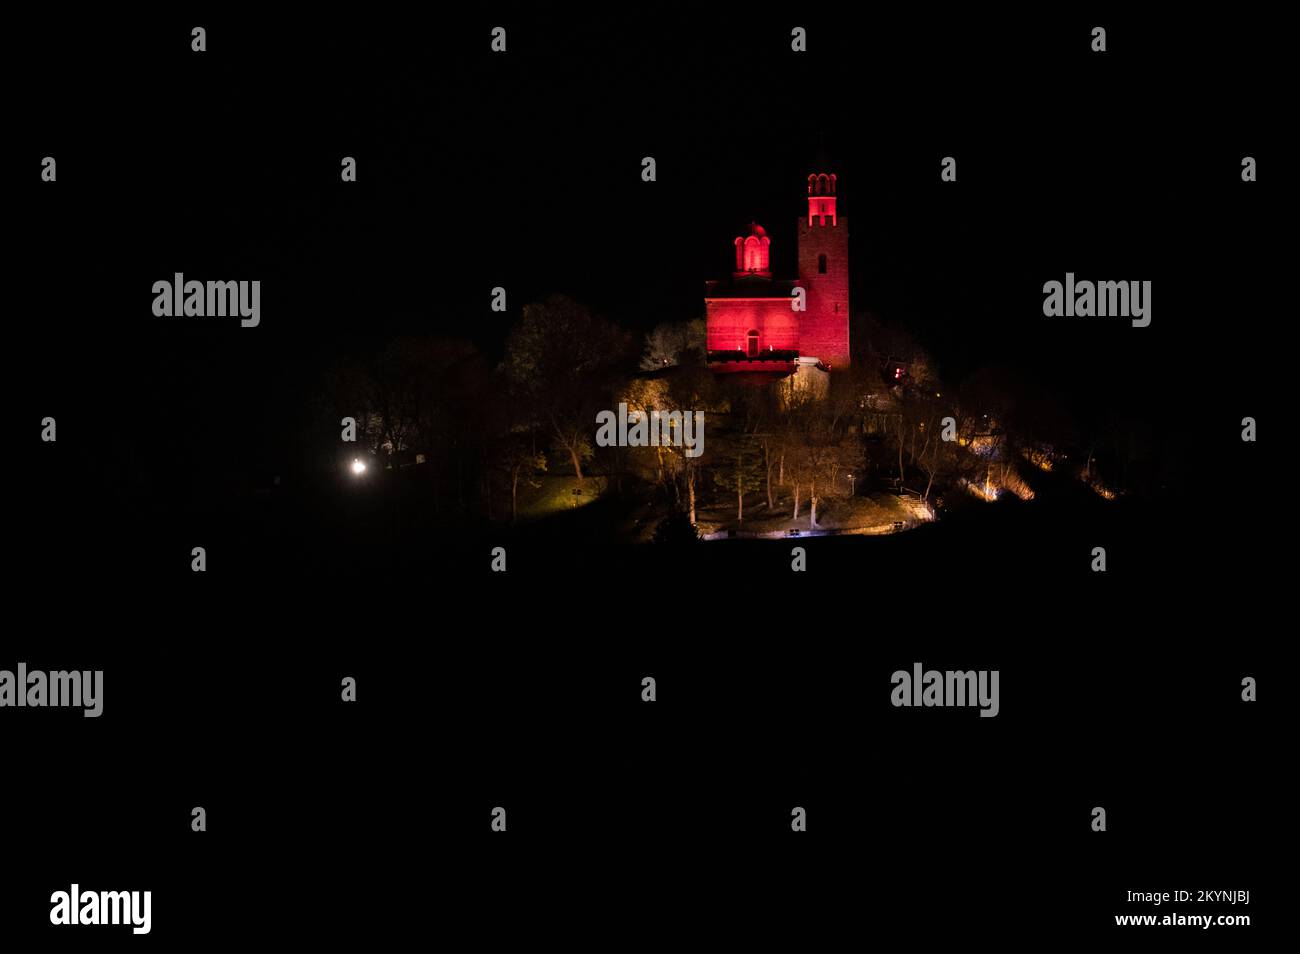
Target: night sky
[523,170]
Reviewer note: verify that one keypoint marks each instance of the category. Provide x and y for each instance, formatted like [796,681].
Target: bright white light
[358,467]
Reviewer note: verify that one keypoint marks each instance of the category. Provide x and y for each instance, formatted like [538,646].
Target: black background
[627,821]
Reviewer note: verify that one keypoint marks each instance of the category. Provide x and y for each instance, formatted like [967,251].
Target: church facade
[754,323]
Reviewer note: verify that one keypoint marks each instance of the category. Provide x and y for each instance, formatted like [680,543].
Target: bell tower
[824,272]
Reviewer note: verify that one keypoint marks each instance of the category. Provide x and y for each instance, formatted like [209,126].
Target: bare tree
[560,362]
[672,343]
[739,471]
[517,459]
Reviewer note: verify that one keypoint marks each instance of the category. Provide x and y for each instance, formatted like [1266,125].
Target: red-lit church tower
[752,326]
[824,271]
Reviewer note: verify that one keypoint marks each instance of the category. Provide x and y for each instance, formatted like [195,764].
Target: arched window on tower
[752,344]
[753,253]
[821,264]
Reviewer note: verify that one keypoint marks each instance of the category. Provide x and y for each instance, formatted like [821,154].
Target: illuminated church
[754,326]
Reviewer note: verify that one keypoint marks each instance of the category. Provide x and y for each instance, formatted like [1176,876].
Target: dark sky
[523,170]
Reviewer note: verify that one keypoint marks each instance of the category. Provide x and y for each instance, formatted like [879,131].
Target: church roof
[750,288]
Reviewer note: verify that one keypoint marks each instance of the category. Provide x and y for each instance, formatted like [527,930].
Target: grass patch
[555,494]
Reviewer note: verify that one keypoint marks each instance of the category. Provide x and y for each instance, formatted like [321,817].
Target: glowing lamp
[358,466]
